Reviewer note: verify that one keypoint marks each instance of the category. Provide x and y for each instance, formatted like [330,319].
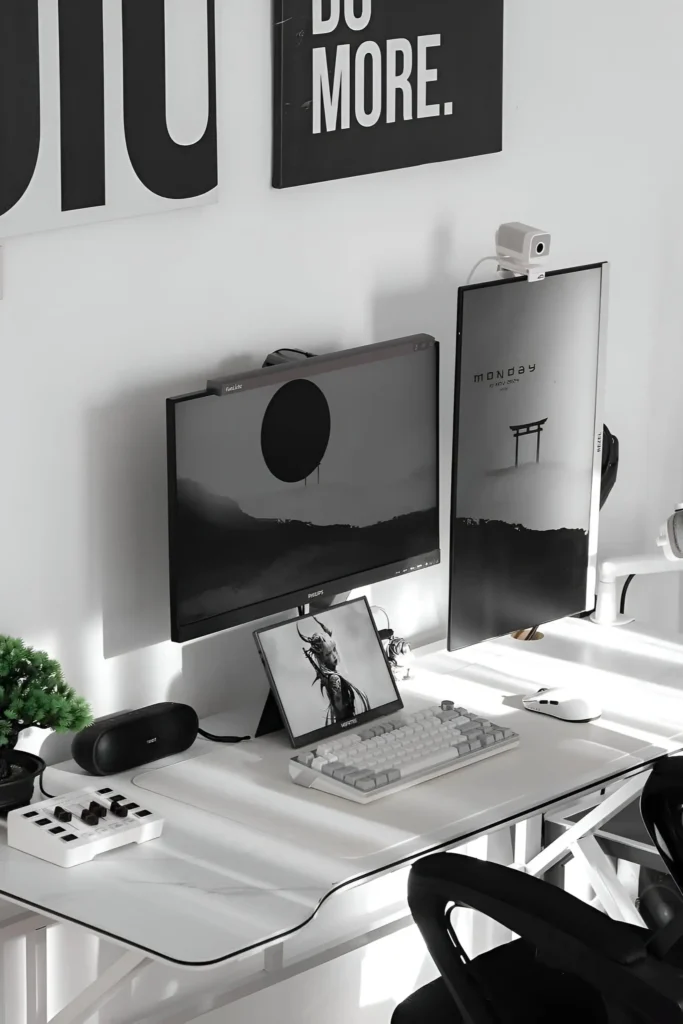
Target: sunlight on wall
[106,672]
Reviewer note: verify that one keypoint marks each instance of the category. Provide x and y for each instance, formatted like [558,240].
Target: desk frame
[517,842]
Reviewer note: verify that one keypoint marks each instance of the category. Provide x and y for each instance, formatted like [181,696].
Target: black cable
[532,634]
[222,739]
[42,788]
[624,592]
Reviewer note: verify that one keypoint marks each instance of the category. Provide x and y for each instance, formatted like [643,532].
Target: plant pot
[17,791]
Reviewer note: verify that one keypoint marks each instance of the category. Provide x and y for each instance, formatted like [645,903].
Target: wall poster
[371,85]
[107,109]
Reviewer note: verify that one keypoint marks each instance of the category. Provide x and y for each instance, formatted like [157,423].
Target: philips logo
[234,387]
[318,593]
[153,740]
[347,725]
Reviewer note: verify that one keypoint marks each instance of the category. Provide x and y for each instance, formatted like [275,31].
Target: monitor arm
[607,606]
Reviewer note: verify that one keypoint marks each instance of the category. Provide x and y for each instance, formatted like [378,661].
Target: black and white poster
[328,670]
[372,85]
[107,109]
[525,458]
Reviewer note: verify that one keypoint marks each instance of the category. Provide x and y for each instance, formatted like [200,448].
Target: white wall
[100,324]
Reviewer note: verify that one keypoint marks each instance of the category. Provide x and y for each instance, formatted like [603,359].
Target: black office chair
[661,808]
[572,963]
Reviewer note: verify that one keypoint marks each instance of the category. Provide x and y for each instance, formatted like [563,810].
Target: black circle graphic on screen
[296,431]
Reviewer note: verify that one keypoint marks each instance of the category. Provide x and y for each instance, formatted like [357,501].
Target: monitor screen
[328,672]
[526,462]
[300,481]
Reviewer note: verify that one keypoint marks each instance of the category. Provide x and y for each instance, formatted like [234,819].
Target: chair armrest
[542,913]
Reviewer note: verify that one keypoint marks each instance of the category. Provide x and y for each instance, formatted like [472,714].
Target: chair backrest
[661,806]
[609,956]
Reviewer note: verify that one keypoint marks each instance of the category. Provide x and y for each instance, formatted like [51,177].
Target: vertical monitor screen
[302,481]
[526,465]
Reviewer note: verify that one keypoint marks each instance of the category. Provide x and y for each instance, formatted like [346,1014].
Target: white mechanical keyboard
[75,827]
[401,751]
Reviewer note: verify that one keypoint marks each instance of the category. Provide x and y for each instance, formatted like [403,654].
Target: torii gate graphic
[528,430]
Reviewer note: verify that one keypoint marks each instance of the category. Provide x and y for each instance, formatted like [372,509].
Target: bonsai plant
[32,693]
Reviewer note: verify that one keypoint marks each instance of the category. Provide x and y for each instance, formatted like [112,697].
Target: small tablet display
[328,672]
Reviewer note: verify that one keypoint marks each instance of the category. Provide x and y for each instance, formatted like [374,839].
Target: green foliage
[33,692]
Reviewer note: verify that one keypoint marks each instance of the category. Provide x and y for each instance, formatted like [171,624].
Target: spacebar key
[429,761]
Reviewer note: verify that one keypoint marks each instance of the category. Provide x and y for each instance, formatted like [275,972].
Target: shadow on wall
[129,523]
[223,673]
[428,306]
[128,513]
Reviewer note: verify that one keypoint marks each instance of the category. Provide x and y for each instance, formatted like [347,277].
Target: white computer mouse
[564,704]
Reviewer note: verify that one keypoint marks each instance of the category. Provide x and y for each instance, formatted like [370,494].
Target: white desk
[219,885]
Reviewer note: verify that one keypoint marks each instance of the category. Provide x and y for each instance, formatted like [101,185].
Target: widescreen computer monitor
[527,452]
[299,481]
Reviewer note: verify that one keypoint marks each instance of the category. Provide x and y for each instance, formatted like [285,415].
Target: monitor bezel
[220,390]
[594,518]
[311,738]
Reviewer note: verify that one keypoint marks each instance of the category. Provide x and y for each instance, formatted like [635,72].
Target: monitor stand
[271,719]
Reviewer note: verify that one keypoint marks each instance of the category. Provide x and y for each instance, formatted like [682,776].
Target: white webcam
[521,250]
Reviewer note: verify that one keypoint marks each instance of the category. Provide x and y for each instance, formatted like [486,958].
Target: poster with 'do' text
[372,85]
[107,110]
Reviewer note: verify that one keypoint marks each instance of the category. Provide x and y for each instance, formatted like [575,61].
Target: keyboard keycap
[401,749]
[356,776]
[430,760]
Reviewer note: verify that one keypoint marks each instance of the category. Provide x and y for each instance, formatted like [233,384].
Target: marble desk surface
[247,858]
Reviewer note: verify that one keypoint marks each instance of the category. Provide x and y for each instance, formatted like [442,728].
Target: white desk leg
[274,958]
[554,853]
[629,876]
[17,987]
[13,981]
[613,897]
[36,977]
[528,841]
[487,932]
[84,1005]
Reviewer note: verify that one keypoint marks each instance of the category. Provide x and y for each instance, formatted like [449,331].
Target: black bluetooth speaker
[119,742]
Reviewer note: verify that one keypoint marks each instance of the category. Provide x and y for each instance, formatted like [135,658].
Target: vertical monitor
[301,481]
[526,458]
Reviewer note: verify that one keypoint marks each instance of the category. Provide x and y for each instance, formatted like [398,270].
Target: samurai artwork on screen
[346,701]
